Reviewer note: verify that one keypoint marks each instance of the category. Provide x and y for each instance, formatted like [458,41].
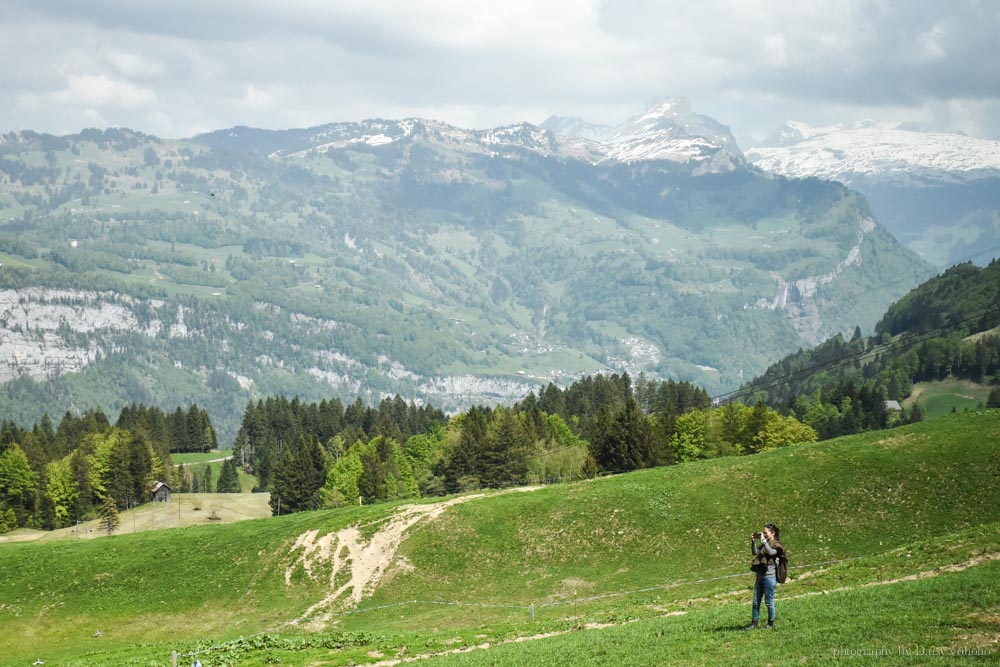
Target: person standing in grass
[766,547]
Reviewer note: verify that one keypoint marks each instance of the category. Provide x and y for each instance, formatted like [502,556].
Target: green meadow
[893,537]
[941,398]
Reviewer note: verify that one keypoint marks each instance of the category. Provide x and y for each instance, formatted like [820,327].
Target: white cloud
[93,118]
[101,90]
[161,124]
[256,98]
[749,63]
[133,65]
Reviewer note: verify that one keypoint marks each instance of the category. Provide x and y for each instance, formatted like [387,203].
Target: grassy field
[188,458]
[183,510]
[939,398]
[215,461]
[893,537]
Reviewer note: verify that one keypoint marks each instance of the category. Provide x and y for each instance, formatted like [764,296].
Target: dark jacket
[762,562]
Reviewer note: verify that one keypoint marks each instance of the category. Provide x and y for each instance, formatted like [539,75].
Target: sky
[175,68]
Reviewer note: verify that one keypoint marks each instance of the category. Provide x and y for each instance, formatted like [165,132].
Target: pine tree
[109,515]
[229,479]
[206,479]
[297,478]
[994,400]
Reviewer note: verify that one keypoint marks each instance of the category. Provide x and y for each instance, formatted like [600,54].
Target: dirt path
[198,463]
[363,561]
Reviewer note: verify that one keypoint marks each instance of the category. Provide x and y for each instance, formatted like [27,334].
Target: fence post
[173,658]
[532,612]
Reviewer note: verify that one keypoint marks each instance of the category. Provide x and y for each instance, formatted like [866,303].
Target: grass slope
[666,549]
[940,398]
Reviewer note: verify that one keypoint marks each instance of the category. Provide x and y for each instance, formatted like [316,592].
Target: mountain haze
[448,265]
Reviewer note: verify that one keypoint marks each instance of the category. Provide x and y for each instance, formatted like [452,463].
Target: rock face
[39,329]
[45,333]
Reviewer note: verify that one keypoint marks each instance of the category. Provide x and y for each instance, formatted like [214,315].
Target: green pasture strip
[850,497]
[937,399]
[198,457]
[201,581]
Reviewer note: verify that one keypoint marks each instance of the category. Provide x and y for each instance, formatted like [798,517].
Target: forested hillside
[945,328]
[368,259]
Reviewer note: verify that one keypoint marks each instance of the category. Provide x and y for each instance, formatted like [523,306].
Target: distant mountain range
[937,192]
[449,265]
[669,130]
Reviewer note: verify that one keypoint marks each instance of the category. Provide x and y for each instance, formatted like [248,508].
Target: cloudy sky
[178,67]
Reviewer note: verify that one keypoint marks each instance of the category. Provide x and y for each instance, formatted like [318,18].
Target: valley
[449,266]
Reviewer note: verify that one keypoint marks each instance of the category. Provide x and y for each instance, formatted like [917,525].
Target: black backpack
[781,566]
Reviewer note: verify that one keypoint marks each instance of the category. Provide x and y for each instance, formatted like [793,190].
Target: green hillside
[657,554]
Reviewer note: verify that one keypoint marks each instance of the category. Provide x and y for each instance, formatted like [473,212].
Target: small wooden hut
[161,493]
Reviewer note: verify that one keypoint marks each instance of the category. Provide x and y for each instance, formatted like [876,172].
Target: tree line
[319,455]
[328,454]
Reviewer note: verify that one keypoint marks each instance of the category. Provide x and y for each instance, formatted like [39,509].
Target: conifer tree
[994,400]
[206,479]
[229,480]
[110,520]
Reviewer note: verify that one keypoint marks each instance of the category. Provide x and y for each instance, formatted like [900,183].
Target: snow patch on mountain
[571,126]
[884,151]
[667,131]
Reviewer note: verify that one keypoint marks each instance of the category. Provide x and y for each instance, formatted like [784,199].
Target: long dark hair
[777,533]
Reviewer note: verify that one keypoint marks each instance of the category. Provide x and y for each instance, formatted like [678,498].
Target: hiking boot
[752,626]
[769,626]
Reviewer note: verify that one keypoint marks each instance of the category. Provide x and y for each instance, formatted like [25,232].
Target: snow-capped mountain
[505,140]
[937,192]
[572,126]
[669,130]
[886,152]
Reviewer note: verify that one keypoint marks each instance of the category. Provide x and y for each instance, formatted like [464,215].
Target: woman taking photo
[766,547]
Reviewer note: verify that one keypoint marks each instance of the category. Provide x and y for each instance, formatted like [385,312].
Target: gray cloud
[180,67]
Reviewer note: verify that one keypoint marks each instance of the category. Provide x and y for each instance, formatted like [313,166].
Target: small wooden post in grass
[173,658]
[532,612]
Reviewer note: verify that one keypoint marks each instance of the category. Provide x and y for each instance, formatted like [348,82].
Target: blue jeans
[764,588]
